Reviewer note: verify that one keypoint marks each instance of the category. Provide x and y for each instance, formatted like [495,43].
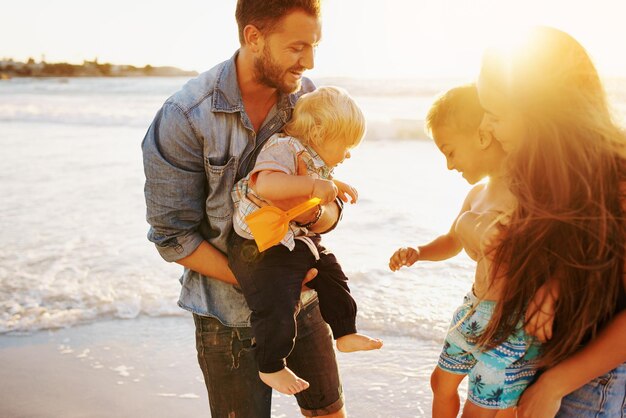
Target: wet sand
[146,367]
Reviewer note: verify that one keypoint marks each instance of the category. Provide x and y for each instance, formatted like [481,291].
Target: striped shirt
[280,153]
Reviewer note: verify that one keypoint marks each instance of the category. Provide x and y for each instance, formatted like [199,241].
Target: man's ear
[253,38]
[484,138]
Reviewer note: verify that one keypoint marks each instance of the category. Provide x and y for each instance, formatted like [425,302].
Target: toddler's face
[334,152]
[462,151]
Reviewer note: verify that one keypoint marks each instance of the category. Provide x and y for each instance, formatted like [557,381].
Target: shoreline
[146,367]
[12,77]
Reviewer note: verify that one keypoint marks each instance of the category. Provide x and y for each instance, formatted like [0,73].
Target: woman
[545,103]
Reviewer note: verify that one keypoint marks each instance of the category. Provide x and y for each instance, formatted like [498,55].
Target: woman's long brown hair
[567,177]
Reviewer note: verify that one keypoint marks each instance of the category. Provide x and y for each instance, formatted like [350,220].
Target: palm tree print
[477,381]
[495,395]
[473,328]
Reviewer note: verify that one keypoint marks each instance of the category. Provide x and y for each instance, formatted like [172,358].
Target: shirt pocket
[220,180]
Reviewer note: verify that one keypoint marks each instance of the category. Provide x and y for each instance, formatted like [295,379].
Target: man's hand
[405,256]
[346,190]
[310,275]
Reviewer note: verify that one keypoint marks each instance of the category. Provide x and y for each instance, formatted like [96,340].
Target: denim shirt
[200,143]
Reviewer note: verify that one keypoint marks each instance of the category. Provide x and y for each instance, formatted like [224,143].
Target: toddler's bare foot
[358,342]
[284,381]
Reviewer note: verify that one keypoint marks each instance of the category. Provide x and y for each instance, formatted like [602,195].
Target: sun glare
[362,38]
[434,38]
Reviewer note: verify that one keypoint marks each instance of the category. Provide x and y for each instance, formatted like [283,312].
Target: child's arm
[276,185]
[441,248]
[345,190]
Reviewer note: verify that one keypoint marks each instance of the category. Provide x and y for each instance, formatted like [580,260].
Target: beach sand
[146,367]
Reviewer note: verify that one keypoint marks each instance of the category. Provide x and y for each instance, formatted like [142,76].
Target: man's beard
[270,74]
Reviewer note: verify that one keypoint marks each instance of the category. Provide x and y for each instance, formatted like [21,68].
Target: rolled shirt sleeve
[175,187]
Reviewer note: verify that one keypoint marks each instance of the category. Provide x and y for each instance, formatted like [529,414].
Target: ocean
[72,213]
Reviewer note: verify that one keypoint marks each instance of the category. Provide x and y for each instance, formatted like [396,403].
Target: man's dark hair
[265,14]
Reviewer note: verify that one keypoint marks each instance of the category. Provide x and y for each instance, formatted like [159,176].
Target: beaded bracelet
[318,215]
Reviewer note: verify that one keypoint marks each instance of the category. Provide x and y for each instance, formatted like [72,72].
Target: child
[326,124]
[497,376]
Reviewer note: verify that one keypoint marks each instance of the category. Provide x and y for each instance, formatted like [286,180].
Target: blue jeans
[232,378]
[603,397]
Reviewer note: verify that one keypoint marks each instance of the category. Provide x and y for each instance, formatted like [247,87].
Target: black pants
[271,282]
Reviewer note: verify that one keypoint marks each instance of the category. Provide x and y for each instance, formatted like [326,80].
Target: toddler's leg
[507,413]
[471,410]
[337,306]
[285,381]
[271,283]
[446,401]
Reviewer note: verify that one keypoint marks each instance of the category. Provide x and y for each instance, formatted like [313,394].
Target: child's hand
[405,256]
[326,190]
[346,190]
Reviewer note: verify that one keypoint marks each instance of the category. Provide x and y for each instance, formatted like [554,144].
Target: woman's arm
[604,353]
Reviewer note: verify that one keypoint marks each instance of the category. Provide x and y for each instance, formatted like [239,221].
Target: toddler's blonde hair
[327,114]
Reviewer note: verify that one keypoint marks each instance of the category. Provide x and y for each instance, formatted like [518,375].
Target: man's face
[288,51]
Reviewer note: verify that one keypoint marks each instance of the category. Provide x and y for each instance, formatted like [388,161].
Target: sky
[361,38]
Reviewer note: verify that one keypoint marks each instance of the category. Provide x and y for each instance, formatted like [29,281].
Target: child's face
[333,152]
[462,151]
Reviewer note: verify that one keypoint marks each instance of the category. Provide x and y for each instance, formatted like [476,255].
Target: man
[205,138]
